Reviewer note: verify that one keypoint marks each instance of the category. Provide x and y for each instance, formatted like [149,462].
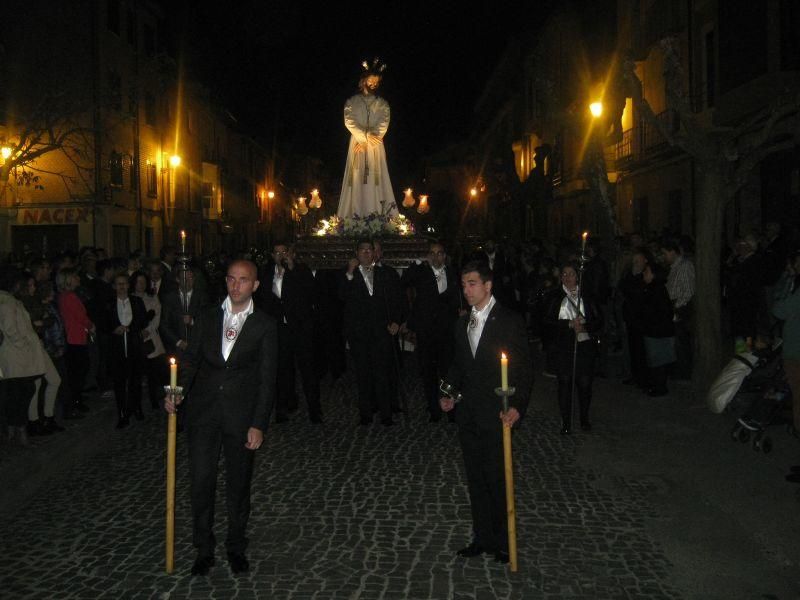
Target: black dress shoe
[472,550]
[501,556]
[793,477]
[123,422]
[795,468]
[52,426]
[238,562]
[565,429]
[202,565]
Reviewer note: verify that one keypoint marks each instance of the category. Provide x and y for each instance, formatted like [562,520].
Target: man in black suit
[372,315]
[288,296]
[434,310]
[179,309]
[228,377]
[160,283]
[480,337]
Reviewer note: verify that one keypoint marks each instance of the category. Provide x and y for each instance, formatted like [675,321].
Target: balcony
[641,143]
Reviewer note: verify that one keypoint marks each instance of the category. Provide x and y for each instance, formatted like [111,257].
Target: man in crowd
[179,309]
[372,316]
[680,287]
[228,374]
[489,330]
[288,296]
[434,310]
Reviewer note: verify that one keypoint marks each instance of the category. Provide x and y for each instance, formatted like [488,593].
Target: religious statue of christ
[366,187]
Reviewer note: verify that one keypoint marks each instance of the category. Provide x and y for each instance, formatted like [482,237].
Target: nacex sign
[52,216]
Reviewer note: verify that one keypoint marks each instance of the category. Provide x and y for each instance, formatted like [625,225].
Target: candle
[183,241]
[503,371]
[583,244]
[173,373]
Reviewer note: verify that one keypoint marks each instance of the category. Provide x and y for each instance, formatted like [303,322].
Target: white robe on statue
[365,114]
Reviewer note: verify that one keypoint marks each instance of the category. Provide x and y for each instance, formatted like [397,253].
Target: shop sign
[55,216]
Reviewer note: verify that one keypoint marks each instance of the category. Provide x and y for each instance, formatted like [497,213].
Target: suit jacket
[238,393]
[430,310]
[171,328]
[477,377]
[365,316]
[296,303]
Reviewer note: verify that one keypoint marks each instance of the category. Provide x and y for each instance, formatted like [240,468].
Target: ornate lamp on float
[302,209]
[316,201]
[409,200]
[423,207]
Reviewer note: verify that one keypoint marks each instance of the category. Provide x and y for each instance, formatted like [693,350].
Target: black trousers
[296,352]
[483,462]
[637,356]
[19,391]
[372,359]
[126,374]
[434,352]
[205,442]
[157,377]
[77,360]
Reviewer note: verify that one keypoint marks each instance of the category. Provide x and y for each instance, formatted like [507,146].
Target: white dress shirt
[232,324]
[125,315]
[277,281]
[477,319]
[368,273]
[441,278]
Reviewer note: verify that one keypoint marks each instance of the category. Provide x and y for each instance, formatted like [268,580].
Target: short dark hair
[360,241]
[481,267]
[104,264]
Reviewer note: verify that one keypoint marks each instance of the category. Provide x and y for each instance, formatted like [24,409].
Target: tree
[725,157]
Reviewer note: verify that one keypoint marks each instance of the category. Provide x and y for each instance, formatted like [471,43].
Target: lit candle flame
[172,361]
[503,355]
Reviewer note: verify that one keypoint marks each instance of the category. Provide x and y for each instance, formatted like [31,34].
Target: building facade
[108,144]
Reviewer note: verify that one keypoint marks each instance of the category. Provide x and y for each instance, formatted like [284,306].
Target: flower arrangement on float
[373,224]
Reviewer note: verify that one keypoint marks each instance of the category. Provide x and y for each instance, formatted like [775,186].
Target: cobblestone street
[656,502]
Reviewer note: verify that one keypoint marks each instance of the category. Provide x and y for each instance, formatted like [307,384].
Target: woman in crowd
[78,327]
[631,290]
[55,342]
[571,319]
[657,328]
[21,357]
[153,348]
[125,318]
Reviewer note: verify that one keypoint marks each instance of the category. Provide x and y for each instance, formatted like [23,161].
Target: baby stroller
[746,376]
[764,391]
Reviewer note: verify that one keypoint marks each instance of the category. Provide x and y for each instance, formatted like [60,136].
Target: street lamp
[473,192]
[5,152]
[175,161]
[596,108]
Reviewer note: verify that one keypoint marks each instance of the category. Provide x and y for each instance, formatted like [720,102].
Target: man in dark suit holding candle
[228,377]
[489,330]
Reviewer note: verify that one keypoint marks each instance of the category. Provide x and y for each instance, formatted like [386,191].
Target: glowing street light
[175,161]
[596,108]
[5,152]
[271,195]
[473,192]
[423,207]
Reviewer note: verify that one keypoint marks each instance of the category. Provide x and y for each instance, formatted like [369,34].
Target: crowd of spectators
[84,321]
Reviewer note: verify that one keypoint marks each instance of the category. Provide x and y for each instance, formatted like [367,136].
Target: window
[112,16]
[149,40]
[790,44]
[149,109]
[130,26]
[115,166]
[208,194]
[742,43]
[675,207]
[134,174]
[114,90]
[709,68]
[641,214]
[152,179]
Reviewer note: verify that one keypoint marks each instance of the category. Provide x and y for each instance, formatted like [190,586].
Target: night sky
[286,68]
